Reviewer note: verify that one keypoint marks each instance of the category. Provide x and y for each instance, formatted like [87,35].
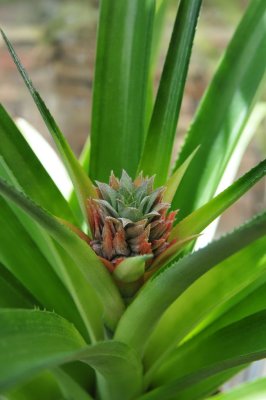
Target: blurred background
[56,42]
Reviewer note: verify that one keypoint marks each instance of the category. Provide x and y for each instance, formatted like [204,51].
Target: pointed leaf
[236,344]
[256,117]
[202,217]
[175,179]
[158,147]
[249,301]
[170,282]
[98,279]
[81,181]
[31,268]
[37,234]
[120,86]
[89,308]
[62,264]
[31,341]
[204,296]
[219,122]
[84,160]
[28,170]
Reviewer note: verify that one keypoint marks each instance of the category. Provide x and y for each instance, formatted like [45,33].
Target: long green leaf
[254,120]
[84,160]
[195,222]
[237,344]
[252,301]
[120,86]
[223,112]
[206,294]
[249,300]
[100,284]
[28,170]
[90,310]
[31,341]
[37,234]
[159,143]
[62,264]
[31,269]
[81,181]
[173,182]
[170,282]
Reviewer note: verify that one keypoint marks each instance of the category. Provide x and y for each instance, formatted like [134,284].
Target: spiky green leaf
[170,282]
[220,119]
[100,284]
[195,222]
[204,296]
[237,344]
[158,147]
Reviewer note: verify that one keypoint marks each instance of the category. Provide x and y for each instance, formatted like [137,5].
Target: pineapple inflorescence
[129,218]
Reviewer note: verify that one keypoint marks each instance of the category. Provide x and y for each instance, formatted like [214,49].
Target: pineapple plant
[106,294]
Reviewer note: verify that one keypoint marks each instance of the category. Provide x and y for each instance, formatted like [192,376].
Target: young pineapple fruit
[128,219]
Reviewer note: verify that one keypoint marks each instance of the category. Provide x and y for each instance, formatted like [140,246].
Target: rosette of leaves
[103,295]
